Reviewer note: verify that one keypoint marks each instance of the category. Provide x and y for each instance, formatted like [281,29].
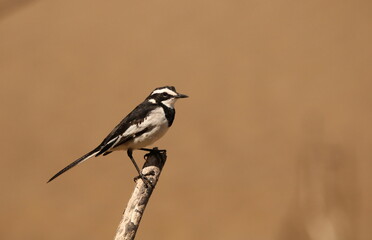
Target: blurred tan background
[274,142]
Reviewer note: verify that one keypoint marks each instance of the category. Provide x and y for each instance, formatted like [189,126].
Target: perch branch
[131,219]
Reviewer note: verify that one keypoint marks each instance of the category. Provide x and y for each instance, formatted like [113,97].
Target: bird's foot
[145,180]
[152,150]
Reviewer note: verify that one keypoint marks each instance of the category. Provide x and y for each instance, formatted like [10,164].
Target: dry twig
[131,219]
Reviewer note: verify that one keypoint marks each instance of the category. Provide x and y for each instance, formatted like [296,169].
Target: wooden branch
[130,221]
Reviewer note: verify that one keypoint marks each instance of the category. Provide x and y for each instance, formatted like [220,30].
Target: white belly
[158,124]
[149,138]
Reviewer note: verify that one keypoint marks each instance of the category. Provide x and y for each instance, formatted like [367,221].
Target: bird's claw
[152,150]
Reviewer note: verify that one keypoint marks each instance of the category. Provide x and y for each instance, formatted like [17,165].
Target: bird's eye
[164,94]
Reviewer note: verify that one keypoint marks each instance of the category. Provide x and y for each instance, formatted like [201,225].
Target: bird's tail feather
[76,162]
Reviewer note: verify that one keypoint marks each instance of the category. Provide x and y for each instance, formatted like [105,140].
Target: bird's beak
[181,96]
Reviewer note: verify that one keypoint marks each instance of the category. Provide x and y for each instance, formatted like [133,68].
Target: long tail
[76,162]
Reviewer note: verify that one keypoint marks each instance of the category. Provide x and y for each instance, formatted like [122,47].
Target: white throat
[169,102]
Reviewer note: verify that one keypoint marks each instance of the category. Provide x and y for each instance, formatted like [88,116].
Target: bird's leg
[140,175]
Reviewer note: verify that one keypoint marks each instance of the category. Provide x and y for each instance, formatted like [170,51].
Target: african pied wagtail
[148,122]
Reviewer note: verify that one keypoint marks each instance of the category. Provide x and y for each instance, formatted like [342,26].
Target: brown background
[274,142]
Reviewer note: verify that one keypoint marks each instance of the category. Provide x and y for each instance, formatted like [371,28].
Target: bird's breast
[157,125]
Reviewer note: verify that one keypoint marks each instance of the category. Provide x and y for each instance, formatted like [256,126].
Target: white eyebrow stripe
[167,90]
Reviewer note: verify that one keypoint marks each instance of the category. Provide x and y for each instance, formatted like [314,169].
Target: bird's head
[166,95]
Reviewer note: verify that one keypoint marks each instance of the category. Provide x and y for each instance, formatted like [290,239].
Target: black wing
[137,116]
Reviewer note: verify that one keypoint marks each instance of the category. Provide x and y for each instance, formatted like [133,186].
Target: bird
[143,126]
